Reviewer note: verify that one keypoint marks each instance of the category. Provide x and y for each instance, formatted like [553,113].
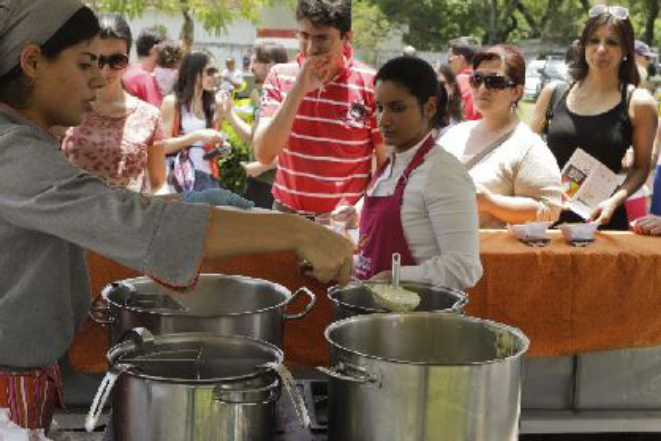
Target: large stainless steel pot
[192,386]
[356,299]
[424,376]
[227,305]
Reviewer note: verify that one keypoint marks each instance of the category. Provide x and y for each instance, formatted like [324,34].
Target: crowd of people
[100,154]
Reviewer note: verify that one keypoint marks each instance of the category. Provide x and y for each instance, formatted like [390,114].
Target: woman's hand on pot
[328,255]
[218,197]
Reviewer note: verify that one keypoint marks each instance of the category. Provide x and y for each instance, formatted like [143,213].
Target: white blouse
[439,218]
[522,166]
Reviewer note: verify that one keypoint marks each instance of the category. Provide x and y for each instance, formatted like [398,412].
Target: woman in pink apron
[421,202]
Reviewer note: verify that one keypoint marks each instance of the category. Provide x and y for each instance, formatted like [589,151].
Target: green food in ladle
[394,297]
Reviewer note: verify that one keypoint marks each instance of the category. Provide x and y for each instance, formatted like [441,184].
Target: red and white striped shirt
[328,157]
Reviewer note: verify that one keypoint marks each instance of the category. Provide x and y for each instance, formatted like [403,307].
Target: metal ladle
[393,297]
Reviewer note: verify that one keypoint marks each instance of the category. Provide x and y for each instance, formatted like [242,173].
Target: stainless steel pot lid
[194,357]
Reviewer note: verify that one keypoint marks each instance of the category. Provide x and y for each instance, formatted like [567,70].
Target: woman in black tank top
[602,112]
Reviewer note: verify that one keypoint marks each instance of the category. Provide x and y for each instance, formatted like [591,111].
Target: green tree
[433,22]
[214,15]
[371,27]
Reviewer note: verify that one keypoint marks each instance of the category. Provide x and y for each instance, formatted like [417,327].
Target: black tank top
[606,137]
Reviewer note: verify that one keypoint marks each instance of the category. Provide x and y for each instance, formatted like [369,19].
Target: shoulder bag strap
[490,148]
[559,91]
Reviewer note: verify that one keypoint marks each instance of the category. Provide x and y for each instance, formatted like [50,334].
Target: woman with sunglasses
[516,176]
[603,112]
[421,203]
[191,117]
[51,211]
[118,139]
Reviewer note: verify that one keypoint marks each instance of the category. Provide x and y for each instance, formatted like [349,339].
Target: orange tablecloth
[567,300]
[572,300]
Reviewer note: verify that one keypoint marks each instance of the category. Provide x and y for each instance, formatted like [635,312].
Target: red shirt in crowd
[328,157]
[466,95]
[142,84]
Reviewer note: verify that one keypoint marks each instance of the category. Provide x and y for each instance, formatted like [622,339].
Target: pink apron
[381,232]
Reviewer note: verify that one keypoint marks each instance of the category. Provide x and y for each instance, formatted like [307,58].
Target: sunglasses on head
[115,61]
[211,71]
[491,81]
[619,12]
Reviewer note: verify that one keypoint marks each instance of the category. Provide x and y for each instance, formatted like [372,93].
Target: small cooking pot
[227,305]
[357,299]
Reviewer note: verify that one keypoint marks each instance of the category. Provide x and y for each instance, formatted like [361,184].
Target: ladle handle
[396,263]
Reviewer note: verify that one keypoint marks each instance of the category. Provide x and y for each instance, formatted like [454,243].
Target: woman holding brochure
[602,112]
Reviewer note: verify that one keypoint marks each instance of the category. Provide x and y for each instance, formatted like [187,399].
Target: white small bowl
[531,231]
[579,231]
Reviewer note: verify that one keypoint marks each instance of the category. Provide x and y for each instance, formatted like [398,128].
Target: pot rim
[335,290]
[115,354]
[525,342]
[289,297]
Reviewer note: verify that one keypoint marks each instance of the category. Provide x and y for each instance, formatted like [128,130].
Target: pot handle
[142,338]
[308,307]
[102,395]
[460,305]
[357,376]
[273,389]
[100,313]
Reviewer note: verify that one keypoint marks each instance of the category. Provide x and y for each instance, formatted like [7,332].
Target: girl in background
[118,139]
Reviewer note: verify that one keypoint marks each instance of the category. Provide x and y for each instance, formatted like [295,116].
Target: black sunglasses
[211,71]
[115,61]
[491,82]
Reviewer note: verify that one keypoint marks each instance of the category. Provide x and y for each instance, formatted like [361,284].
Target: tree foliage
[214,15]
[432,23]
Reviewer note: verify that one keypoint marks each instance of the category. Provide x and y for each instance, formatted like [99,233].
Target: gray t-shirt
[50,212]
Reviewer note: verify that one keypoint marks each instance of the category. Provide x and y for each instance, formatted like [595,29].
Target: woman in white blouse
[516,176]
[421,202]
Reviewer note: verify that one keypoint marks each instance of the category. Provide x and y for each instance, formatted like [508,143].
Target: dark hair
[147,39]
[334,13]
[169,54]
[419,78]
[454,101]
[15,87]
[270,53]
[190,69]
[515,64]
[115,26]
[571,58]
[628,73]
[465,46]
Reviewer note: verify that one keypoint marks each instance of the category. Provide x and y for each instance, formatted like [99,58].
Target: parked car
[541,72]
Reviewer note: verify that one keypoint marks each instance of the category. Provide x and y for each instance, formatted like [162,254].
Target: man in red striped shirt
[318,117]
